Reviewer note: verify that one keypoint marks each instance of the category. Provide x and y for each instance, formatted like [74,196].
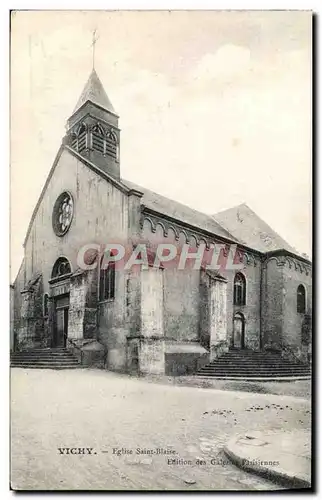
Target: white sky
[215,107]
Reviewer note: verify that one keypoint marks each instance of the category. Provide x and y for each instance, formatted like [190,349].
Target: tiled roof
[251,230]
[178,211]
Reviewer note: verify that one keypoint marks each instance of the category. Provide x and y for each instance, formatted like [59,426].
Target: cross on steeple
[94,40]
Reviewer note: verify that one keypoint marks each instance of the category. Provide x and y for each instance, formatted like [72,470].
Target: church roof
[94,92]
[247,227]
[176,210]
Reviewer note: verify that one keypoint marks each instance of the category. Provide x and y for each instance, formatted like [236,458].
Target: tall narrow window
[301,299]
[107,280]
[239,290]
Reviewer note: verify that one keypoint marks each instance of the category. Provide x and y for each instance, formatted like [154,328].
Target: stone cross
[94,40]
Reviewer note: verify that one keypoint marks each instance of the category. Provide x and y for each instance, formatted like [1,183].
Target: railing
[70,341]
[285,348]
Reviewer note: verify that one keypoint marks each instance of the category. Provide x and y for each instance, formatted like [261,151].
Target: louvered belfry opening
[73,141]
[81,139]
[98,139]
[111,145]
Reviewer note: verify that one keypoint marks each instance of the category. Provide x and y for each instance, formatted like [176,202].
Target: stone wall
[282,324]
[181,304]
[113,327]
[252,308]
[30,328]
[185,297]
[82,316]
[293,276]
[151,350]
[272,304]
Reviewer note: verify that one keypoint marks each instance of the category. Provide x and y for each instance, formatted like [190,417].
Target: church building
[157,318]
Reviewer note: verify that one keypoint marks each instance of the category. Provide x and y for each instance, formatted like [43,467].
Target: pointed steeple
[95,93]
[92,129]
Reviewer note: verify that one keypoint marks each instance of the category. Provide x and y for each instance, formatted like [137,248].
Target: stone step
[255,357]
[250,364]
[203,372]
[41,356]
[250,367]
[48,367]
[56,358]
[41,363]
[254,378]
[45,349]
[257,374]
[257,367]
[249,370]
[220,361]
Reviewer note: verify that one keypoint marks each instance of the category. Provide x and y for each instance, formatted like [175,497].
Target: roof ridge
[229,235]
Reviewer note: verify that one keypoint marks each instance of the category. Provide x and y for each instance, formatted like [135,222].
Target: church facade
[157,318]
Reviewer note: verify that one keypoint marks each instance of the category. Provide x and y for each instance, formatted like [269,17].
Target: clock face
[63,213]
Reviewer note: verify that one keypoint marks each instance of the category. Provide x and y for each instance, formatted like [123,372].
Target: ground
[105,411]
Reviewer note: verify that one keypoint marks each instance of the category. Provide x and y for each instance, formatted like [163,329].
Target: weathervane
[94,40]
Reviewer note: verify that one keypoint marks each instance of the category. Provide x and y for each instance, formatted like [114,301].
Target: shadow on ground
[298,388]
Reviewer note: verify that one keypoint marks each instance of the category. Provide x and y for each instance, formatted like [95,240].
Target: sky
[214,106]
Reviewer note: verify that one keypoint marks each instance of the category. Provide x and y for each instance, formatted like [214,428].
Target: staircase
[54,358]
[246,364]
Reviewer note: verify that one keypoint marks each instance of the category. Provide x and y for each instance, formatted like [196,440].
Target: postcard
[161,261]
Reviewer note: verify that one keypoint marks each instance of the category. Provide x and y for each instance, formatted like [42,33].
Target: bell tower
[92,129]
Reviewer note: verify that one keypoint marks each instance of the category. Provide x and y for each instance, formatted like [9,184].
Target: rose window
[63,213]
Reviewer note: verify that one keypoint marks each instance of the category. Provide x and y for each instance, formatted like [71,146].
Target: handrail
[77,347]
[287,348]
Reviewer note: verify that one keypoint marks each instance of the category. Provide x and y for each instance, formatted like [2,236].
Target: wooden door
[239,332]
[61,321]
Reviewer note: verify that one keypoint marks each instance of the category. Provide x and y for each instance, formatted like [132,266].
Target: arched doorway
[59,291]
[239,331]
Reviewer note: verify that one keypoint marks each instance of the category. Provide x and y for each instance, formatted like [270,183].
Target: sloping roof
[251,230]
[94,92]
[178,211]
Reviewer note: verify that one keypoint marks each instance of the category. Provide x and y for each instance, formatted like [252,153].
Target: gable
[100,212]
[246,226]
[85,162]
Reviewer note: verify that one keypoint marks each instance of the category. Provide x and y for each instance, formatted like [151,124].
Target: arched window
[98,139]
[112,145]
[61,268]
[82,138]
[107,280]
[239,290]
[301,299]
[45,305]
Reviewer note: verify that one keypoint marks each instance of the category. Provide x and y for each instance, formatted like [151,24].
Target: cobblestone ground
[101,410]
